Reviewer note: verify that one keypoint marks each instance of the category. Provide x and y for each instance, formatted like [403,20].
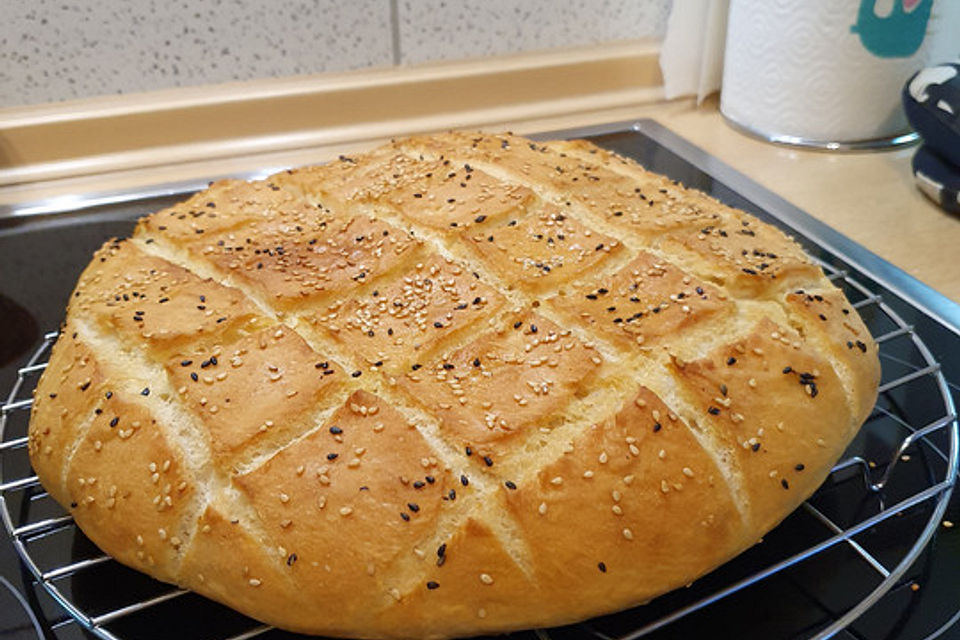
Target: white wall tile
[53,50]
[452,29]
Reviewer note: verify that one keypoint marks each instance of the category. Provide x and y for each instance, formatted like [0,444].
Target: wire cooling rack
[902,463]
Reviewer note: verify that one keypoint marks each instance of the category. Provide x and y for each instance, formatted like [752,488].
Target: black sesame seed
[291,559]
[731,360]
[442,550]
[336,430]
[714,411]
[657,426]
[108,395]
[84,386]
[452,494]
[356,374]
[332,456]
[432,585]
[469,451]
[787,369]
[602,567]
[145,392]
[413,506]
[784,483]
[438,325]
[861,346]
[416,366]
[464,480]
[186,363]
[115,421]
[755,446]
[479,219]
[476,362]
[488,461]
[517,324]
[405,516]
[800,467]
[533,328]
[419,484]
[430,479]
[510,484]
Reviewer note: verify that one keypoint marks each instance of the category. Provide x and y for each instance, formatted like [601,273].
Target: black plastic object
[937,179]
[931,100]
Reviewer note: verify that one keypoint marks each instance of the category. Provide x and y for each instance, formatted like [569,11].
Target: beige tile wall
[53,50]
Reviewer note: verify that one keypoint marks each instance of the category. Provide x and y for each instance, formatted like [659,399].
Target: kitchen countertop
[111,143]
[868,196]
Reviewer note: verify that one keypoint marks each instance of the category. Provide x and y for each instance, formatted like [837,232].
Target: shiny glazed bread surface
[464,383]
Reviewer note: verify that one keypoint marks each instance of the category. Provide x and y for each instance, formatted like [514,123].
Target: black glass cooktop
[41,257]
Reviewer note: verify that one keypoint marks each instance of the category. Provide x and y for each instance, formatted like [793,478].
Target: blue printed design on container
[897,35]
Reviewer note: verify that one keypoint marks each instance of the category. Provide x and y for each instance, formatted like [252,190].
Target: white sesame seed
[628,534]
[556,481]
[485,578]
[542,509]
[345,511]
[254,582]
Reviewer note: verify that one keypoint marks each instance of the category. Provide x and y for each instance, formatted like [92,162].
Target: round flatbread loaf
[461,384]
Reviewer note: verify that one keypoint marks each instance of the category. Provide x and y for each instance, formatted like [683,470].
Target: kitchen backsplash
[53,50]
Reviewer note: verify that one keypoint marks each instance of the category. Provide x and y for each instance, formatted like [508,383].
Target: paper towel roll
[822,70]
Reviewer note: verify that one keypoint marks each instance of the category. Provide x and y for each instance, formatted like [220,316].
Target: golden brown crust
[461,384]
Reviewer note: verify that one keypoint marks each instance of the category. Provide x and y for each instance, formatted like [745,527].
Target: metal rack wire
[40,530]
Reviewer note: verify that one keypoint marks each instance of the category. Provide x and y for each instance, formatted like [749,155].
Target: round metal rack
[904,461]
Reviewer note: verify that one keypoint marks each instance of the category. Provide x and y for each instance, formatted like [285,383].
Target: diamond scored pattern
[377,296]
[404,328]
